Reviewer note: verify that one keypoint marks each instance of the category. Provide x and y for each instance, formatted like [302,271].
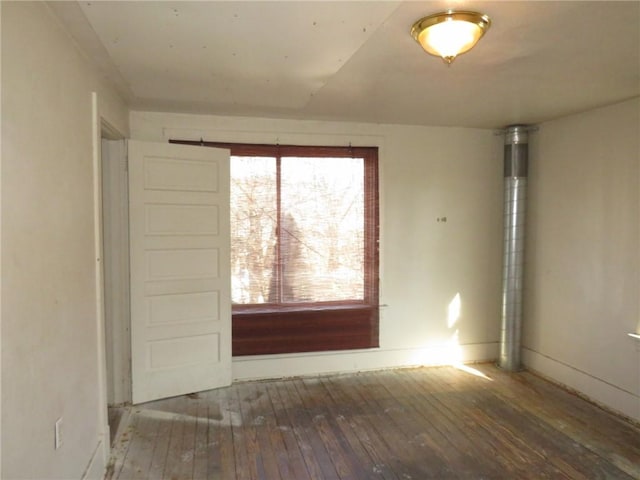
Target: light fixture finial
[449,34]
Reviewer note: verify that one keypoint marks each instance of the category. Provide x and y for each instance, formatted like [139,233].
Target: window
[304,248]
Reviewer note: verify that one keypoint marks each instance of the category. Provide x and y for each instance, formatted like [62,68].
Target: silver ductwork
[515,195]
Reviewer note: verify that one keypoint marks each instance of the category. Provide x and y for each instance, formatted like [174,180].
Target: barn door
[180,270]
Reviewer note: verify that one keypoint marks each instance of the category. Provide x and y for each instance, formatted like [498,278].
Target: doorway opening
[115,248]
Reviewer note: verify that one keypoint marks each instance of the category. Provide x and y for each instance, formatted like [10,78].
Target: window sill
[241,310]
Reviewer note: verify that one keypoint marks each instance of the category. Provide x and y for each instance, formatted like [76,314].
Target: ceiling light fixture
[449,34]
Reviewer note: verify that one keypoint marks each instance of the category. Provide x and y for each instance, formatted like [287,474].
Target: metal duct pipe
[515,196]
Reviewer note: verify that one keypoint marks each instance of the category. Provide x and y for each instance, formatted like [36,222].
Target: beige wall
[425,174]
[583,254]
[49,321]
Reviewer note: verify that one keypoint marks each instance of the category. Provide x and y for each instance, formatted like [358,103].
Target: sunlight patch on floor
[472,371]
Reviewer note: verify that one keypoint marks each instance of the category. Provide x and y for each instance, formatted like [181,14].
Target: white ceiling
[355,60]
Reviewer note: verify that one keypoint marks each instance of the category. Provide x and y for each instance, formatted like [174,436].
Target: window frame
[261,329]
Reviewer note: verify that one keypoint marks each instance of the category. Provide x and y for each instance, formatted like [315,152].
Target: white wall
[425,174]
[583,254]
[49,321]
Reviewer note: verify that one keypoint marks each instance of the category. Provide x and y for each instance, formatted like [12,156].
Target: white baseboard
[97,465]
[291,365]
[595,389]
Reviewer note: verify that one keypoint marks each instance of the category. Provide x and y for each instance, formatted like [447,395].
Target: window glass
[253,227]
[322,229]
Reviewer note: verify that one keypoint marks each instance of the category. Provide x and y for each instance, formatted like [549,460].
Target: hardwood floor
[440,423]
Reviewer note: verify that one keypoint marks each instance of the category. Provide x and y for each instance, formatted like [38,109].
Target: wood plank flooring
[422,423]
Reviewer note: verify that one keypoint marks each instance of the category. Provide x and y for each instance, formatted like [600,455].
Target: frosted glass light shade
[449,34]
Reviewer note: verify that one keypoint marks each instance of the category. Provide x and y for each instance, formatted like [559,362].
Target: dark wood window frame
[326,326]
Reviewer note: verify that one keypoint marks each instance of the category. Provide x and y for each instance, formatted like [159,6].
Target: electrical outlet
[58,433]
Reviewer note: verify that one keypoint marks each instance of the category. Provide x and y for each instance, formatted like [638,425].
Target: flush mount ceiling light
[448,34]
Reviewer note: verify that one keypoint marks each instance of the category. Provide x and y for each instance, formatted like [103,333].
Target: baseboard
[291,365]
[97,465]
[595,389]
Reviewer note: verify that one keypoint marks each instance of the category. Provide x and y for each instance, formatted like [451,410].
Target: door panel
[180,269]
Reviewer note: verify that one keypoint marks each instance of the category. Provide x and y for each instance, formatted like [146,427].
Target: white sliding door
[180,270]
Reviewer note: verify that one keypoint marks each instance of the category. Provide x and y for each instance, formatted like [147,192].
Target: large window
[304,248]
